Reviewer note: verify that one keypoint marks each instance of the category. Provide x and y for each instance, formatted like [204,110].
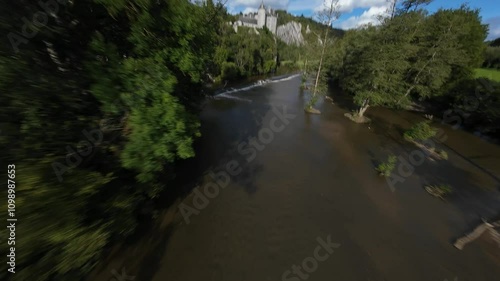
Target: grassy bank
[492,74]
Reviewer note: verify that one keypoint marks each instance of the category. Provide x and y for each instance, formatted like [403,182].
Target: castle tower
[261,16]
[272,21]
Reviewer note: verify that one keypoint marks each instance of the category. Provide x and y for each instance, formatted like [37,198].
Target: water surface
[316,179]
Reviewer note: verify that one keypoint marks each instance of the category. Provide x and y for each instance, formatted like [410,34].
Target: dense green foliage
[473,104]
[411,55]
[420,132]
[97,104]
[416,56]
[245,53]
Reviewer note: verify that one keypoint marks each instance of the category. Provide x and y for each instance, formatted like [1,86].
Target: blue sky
[357,12]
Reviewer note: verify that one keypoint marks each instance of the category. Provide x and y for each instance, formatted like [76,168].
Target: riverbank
[473,112]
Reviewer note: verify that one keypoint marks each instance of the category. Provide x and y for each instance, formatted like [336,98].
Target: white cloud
[494,24]
[369,16]
[304,5]
[349,5]
[345,6]
[495,32]
[249,10]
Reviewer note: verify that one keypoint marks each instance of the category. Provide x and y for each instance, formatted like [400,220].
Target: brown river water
[301,200]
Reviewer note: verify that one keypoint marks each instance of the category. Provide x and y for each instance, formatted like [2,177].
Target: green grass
[420,132]
[492,74]
[385,169]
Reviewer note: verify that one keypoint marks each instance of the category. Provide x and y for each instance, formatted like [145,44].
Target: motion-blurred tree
[132,69]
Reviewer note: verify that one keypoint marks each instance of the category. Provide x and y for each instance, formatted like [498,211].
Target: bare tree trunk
[321,59]
[392,8]
[406,94]
[362,109]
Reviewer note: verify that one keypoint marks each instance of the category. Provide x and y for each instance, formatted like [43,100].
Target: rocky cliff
[290,33]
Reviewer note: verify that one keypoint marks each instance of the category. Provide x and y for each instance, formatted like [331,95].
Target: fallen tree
[477,232]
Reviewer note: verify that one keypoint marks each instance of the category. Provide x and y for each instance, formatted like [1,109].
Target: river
[309,179]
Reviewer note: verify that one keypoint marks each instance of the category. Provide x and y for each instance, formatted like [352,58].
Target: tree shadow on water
[139,257]
[226,125]
[391,131]
[152,260]
[247,178]
[373,159]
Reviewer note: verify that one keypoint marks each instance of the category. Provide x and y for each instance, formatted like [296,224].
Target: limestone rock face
[291,33]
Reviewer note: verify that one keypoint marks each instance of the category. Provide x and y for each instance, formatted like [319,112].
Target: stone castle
[263,17]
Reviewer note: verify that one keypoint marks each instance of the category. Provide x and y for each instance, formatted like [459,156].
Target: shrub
[303,78]
[229,71]
[420,132]
[385,169]
[269,66]
[303,82]
[443,154]
[440,190]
